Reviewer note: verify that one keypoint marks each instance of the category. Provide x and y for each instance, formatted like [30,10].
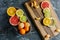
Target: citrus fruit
[22,31]
[26,28]
[47,15]
[21,25]
[45,4]
[46,21]
[23,19]
[11,11]
[14,20]
[19,12]
[53,22]
[46,10]
[26,24]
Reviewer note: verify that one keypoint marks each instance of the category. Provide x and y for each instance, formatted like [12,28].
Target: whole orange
[22,31]
[26,24]
[26,28]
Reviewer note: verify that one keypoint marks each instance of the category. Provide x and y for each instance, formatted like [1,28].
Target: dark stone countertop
[7,32]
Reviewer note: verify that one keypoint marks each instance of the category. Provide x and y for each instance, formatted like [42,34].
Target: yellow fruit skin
[11,11]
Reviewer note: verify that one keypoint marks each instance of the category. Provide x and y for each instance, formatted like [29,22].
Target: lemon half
[46,21]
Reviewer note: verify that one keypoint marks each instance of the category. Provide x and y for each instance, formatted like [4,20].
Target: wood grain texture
[38,13]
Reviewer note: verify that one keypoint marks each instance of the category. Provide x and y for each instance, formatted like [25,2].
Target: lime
[23,19]
[47,15]
[11,11]
[19,12]
[46,11]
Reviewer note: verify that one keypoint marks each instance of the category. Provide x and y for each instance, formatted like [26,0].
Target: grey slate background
[7,32]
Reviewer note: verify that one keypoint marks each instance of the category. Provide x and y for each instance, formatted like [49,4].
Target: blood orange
[45,4]
[14,20]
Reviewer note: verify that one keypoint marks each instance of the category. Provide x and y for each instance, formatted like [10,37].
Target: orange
[26,28]
[11,11]
[22,31]
[26,24]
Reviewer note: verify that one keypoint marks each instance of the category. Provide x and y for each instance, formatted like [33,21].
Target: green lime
[46,10]
[23,19]
[19,12]
[47,15]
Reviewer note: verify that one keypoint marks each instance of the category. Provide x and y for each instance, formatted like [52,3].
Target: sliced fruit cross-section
[23,19]
[45,4]
[46,21]
[19,12]
[11,11]
[14,20]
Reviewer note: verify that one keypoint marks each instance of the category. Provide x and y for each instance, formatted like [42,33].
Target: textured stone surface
[7,32]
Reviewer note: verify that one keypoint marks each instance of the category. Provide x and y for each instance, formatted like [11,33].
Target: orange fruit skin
[19,28]
[11,11]
[22,31]
[26,24]
[26,28]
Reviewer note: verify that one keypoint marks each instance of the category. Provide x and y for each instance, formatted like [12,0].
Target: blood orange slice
[45,4]
[14,20]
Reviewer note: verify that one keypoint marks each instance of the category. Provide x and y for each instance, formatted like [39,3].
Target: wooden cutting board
[37,13]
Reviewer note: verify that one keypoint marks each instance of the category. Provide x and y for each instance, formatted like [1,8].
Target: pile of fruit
[47,21]
[17,18]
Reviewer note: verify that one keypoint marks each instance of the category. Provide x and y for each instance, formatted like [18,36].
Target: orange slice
[11,11]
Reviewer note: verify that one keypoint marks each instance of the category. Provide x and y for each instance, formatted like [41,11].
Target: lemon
[46,21]
[19,12]
[11,11]
[23,19]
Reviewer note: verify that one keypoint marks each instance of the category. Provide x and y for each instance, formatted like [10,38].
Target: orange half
[11,11]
